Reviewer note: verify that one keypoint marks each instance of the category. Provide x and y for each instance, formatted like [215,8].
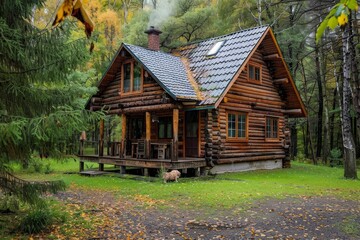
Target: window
[254,73]
[215,48]
[237,126]
[165,127]
[137,77]
[137,128]
[271,130]
[131,77]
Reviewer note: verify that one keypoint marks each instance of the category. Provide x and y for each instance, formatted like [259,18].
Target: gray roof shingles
[167,69]
[214,73]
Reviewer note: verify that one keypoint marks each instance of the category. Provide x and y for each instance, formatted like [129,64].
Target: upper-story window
[254,73]
[131,77]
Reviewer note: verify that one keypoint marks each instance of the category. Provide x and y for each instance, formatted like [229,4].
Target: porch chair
[140,148]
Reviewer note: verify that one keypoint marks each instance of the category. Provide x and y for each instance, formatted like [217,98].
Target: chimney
[153,38]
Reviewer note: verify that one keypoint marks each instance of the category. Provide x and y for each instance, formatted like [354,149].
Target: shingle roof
[214,73]
[169,70]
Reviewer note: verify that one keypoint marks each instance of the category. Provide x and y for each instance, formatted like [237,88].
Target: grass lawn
[232,192]
[223,191]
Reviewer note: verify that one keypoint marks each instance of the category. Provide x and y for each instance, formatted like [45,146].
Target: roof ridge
[222,36]
[150,50]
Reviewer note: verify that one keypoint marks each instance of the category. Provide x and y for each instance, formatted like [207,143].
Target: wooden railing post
[148,134]
[175,144]
[101,138]
[123,136]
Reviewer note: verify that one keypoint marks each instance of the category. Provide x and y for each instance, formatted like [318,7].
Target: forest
[47,73]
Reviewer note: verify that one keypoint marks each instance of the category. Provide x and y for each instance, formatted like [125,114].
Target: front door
[191,134]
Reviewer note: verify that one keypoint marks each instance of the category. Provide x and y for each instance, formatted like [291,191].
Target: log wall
[152,97]
[258,100]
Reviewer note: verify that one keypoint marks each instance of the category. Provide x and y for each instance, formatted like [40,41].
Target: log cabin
[221,104]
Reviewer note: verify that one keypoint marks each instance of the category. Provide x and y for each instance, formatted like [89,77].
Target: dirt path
[290,218]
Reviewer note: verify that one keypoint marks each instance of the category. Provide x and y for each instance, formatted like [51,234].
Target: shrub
[48,169]
[9,203]
[40,219]
[37,165]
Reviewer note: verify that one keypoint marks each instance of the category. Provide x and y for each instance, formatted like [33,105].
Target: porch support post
[81,166]
[101,167]
[101,138]
[123,136]
[176,135]
[148,134]
[122,169]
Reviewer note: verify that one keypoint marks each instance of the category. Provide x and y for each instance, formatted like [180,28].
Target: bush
[48,169]
[38,220]
[9,203]
[37,165]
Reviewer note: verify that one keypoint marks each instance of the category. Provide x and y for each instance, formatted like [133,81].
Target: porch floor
[182,163]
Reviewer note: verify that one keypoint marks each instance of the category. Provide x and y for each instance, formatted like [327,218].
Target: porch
[161,156]
[148,141]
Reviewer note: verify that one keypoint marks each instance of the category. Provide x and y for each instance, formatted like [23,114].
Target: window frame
[270,138]
[236,138]
[255,66]
[132,79]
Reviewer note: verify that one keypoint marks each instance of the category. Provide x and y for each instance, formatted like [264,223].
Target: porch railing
[138,149]
[93,148]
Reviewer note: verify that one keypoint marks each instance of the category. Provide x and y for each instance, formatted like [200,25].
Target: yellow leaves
[342,19]
[74,8]
[338,16]
[146,200]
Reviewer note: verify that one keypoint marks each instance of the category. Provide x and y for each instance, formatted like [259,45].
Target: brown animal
[171,176]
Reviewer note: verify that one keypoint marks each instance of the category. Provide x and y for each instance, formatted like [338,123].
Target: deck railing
[138,149]
[92,148]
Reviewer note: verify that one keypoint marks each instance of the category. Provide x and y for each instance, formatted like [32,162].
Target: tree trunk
[332,120]
[326,138]
[320,103]
[356,84]
[293,136]
[348,140]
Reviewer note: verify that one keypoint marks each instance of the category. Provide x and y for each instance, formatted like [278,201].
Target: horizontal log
[96,100]
[246,154]
[271,56]
[143,109]
[247,159]
[281,80]
[292,111]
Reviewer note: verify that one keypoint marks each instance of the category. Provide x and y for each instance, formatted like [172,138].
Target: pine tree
[39,100]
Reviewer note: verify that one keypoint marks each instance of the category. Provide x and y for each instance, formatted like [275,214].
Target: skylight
[215,48]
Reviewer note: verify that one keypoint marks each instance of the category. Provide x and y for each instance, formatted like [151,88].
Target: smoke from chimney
[163,11]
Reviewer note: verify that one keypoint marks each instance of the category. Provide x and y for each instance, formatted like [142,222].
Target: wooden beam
[271,56]
[281,80]
[143,109]
[148,134]
[176,135]
[294,111]
[96,100]
[81,166]
[123,135]
[101,140]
